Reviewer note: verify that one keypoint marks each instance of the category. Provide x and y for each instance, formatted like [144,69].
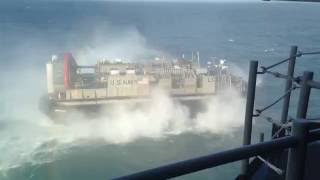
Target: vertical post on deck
[304,95]
[297,156]
[286,101]
[261,138]
[249,111]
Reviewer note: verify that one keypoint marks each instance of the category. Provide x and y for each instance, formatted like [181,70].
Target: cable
[271,120]
[278,63]
[313,118]
[279,75]
[283,127]
[299,54]
[278,124]
[310,53]
[259,111]
[271,166]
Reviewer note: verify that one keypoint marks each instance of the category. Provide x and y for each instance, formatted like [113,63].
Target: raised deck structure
[72,86]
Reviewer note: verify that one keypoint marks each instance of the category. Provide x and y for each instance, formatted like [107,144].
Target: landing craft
[88,88]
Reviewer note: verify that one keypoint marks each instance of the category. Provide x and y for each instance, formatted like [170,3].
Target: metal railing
[303,131]
[297,142]
[292,83]
[213,160]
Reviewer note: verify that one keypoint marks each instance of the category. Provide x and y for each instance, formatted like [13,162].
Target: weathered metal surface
[286,101]
[249,110]
[297,156]
[209,161]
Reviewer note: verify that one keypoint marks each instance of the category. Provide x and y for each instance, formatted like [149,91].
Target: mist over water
[26,132]
[111,43]
[28,136]
[161,117]
[125,138]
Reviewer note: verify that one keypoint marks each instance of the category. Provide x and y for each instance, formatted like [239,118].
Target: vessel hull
[63,112]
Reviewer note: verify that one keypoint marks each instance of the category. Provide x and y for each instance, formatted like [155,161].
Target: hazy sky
[164,0]
[187,0]
[136,0]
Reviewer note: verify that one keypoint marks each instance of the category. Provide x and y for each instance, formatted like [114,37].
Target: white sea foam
[27,136]
[158,118]
[36,139]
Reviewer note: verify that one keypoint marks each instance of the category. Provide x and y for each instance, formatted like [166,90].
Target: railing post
[297,156]
[261,137]
[304,95]
[286,101]
[249,111]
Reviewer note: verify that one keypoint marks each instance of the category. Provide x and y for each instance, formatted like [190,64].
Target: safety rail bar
[213,160]
[291,85]
[295,55]
[314,84]
[228,156]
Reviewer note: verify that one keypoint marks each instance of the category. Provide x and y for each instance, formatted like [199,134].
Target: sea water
[125,140]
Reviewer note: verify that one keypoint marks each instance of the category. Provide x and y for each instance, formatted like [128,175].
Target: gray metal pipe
[297,156]
[286,100]
[314,135]
[314,84]
[249,111]
[304,95]
[286,103]
[261,137]
[213,160]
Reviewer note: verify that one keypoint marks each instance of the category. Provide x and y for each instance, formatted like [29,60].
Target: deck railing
[294,135]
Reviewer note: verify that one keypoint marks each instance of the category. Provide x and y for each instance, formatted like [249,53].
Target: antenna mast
[198,58]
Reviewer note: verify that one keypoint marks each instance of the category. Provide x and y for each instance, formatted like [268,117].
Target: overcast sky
[160,0]
[133,0]
[185,0]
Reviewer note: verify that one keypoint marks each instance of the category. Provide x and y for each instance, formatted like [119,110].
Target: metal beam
[249,111]
[286,101]
[314,84]
[297,156]
[213,160]
[261,137]
[314,135]
[304,95]
[285,106]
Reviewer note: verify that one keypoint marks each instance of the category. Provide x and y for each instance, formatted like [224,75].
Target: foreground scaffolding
[292,152]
